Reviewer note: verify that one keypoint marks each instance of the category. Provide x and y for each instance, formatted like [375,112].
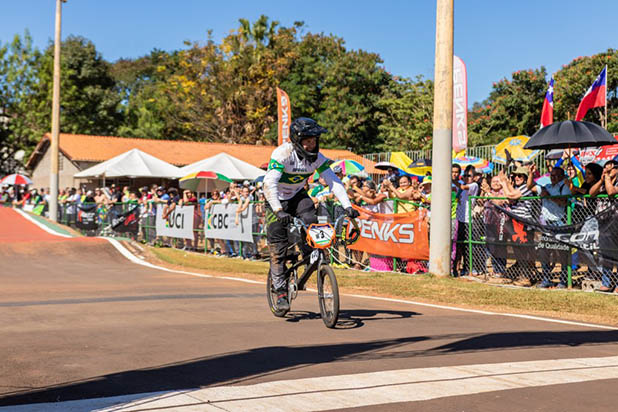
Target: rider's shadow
[355,318]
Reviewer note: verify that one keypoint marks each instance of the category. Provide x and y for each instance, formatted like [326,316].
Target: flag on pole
[547,115]
[595,96]
[284,116]
[460,105]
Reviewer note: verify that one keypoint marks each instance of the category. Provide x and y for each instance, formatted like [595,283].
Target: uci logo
[296,179]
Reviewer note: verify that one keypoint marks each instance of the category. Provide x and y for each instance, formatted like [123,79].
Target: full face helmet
[301,128]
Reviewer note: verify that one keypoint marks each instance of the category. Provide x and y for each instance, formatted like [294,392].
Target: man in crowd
[467,187]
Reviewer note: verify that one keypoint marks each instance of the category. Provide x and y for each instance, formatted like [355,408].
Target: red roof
[89,148]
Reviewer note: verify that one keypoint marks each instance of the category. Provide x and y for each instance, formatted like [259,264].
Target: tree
[406,115]
[89,101]
[574,79]
[513,108]
[19,125]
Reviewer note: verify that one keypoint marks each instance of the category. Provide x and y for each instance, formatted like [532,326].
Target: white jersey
[288,172]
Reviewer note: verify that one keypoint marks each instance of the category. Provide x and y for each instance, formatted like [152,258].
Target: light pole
[55,121]
[440,229]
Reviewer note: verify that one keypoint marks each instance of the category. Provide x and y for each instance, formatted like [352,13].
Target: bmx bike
[319,236]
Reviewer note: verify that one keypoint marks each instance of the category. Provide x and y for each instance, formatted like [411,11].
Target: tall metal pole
[440,232]
[55,121]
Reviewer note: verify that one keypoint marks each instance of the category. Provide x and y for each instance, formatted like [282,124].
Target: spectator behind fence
[405,191]
[466,189]
[494,222]
[553,213]
[515,189]
[189,199]
[247,249]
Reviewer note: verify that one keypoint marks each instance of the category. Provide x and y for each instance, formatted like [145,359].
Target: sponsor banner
[127,222]
[178,224]
[460,105]
[284,116]
[402,235]
[86,217]
[223,223]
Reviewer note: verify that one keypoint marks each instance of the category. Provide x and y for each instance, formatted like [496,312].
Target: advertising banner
[222,223]
[284,116]
[460,105]
[86,217]
[127,222]
[402,235]
[178,224]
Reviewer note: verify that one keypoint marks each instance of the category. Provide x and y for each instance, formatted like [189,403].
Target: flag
[595,96]
[547,115]
[284,116]
[460,105]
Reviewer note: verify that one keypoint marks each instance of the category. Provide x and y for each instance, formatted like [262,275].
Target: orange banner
[402,235]
[284,116]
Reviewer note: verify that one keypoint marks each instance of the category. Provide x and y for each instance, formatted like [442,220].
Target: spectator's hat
[338,170]
[521,170]
[426,181]
[89,193]
[160,189]
[246,183]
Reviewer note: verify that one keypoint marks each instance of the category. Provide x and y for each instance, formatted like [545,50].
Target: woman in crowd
[405,192]
[494,220]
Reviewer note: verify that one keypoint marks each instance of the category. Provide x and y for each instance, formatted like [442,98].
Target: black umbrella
[570,134]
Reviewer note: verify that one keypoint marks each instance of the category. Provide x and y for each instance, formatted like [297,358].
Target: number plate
[314,256]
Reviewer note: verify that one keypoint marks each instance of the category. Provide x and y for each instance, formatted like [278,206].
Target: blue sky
[493,37]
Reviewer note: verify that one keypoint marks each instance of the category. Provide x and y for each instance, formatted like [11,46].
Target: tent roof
[133,163]
[225,164]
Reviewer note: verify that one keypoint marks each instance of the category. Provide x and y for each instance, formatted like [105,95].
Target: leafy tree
[89,101]
[19,126]
[406,115]
[574,79]
[513,108]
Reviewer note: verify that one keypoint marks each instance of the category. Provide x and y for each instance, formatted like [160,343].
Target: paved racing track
[83,328]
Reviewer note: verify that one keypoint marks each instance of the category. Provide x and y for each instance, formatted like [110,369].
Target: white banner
[179,223]
[221,223]
[460,105]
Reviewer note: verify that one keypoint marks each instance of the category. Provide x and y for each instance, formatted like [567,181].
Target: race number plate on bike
[320,235]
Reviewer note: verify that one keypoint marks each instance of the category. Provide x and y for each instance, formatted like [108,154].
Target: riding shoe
[282,302]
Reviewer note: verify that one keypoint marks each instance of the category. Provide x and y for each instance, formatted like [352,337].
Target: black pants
[300,206]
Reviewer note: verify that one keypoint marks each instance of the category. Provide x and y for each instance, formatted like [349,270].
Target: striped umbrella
[478,163]
[204,181]
[348,167]
[15,179]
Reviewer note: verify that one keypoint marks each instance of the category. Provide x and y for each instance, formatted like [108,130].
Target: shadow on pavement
[351,319]
[235,367]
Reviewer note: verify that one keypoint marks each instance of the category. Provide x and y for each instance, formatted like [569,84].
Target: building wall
[40,174]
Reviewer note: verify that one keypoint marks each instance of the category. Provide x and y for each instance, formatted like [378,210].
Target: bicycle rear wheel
[272,298]
[328,296]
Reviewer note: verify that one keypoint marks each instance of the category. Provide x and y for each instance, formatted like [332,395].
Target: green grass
[572,305]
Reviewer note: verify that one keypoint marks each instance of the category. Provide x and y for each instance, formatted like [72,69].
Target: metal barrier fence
[501,251]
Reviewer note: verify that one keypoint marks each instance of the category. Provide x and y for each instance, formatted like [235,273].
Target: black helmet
[305,127]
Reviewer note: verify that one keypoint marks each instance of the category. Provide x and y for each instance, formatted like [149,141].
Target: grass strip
[562,304]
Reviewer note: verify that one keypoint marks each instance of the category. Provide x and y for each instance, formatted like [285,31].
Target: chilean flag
[547,115]
[595,96]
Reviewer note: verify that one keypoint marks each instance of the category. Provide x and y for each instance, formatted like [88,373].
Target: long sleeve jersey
[287,174]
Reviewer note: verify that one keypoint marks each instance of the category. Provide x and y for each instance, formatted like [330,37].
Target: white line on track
[41,225]
[358,390]
[126,253]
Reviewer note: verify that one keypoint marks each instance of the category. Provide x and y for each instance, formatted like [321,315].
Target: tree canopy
[226,92]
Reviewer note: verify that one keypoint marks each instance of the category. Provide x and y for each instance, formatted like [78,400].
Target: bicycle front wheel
[328,296]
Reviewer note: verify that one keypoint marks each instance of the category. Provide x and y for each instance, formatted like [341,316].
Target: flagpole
[606,86]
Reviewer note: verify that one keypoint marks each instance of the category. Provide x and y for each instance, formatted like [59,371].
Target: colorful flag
[284,116]
[547,115]
[460,105]
[595,96]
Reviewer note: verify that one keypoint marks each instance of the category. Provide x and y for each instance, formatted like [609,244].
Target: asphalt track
[83,328]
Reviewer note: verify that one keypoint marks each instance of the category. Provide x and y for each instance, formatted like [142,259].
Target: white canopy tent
[226,165]
[133,164]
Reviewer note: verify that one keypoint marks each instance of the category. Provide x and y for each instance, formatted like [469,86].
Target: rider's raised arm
[271,181]
[335,186]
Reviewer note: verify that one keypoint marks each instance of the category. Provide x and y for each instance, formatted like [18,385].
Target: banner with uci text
[179,222]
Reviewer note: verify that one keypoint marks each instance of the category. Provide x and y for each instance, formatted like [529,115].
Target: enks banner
[127,222]
[179,222]
[460,105]
[221,223]
[284,116]
[86,218]
[402,235]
